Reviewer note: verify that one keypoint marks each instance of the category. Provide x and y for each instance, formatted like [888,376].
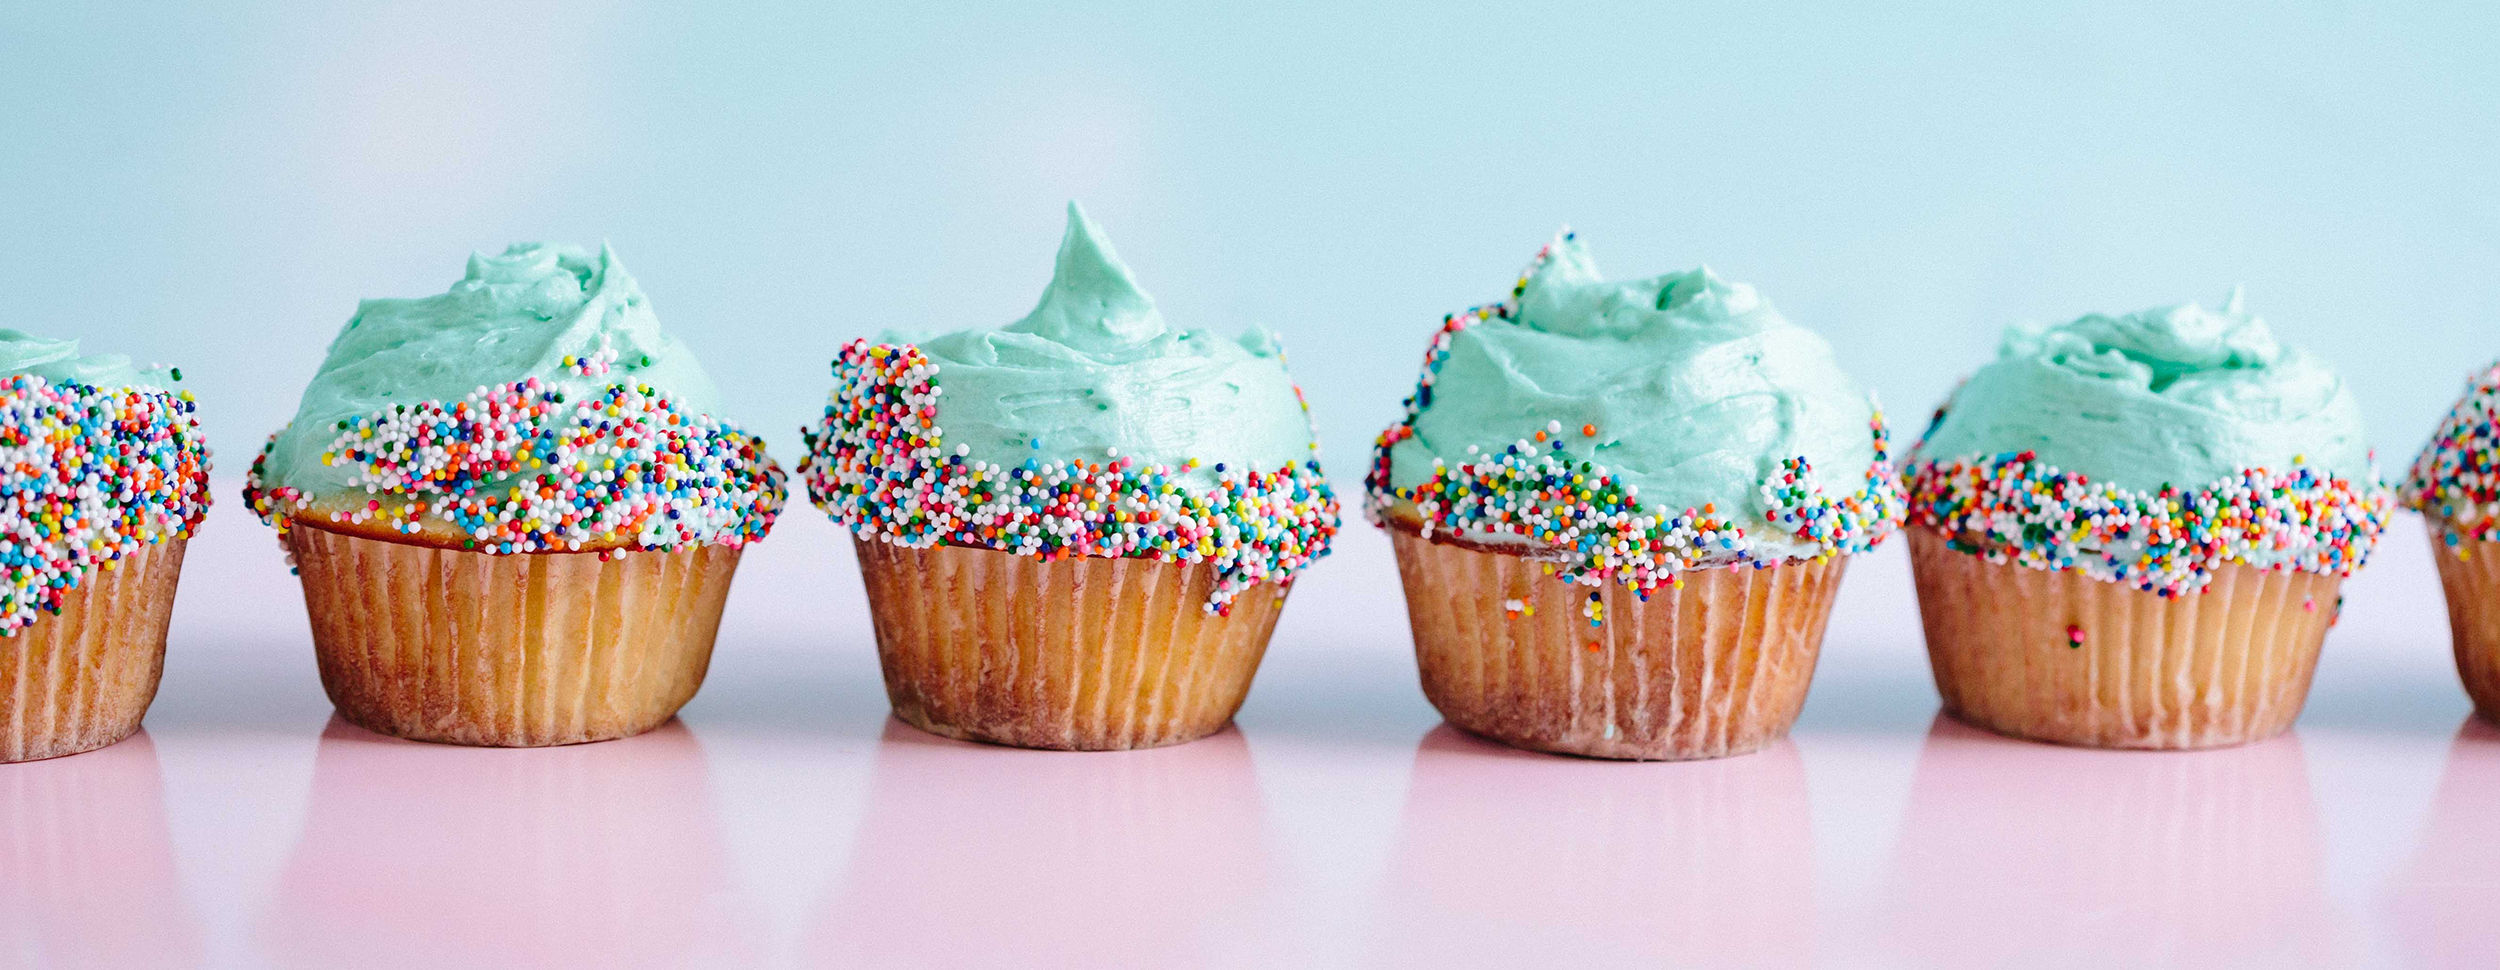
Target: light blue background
[217,190]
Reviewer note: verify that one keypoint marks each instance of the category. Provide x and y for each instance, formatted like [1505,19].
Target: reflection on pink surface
[2445,902]
[2022,854]
[427,855]
[1507,858]
[86,864]
[972,855]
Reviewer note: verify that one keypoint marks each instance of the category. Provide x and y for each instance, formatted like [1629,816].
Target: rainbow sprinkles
[2456,480]
[2015,509]
[520,469]
[93,474]
[1594,524]
[879,464]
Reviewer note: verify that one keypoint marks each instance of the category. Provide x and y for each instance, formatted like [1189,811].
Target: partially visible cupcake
[2129,531]
[2455,484]
[107,476]
[1077,530]
[1622,509]
[514,511]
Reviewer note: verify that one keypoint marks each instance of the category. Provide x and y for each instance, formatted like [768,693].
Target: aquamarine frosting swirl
[2178,396]
[574,320]
[59,360]
[1095,373]
[1692,390]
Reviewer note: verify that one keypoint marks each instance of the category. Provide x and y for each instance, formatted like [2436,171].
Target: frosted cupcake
[514,513]
[1076,531]
[107,478]
[2455,484]
[1621,510]
[2130,531]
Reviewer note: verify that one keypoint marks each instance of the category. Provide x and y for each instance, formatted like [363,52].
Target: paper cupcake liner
[1086,653]
[2472,582]
[1719,667]
[2225,666]
[436,644]
[83,678]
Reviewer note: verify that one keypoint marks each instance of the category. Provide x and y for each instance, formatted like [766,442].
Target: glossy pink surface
[784,820]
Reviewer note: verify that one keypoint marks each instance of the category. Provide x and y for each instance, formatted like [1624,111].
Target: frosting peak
[1093,302]
[2155,347]
[527,310]
[2173,396]
[1094,373]
[1086,428]
[543,365]
[58,360]
[1640,427]
[1567,295]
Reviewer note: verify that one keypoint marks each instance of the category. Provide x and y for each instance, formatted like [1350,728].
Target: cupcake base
[1082,654]
[83,678]
[2061,657]
[1719,667]
[435,644]
[2470,574]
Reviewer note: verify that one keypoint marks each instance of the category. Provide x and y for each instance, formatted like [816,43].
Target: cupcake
[1077,530]
[2130,531]
[107,478]
[514,513]
[2455,484]
[1621,510]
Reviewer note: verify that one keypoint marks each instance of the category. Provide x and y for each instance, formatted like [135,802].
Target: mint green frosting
[2181,396]
[58,361]
[515,316]
[1696,388]
[1094,373]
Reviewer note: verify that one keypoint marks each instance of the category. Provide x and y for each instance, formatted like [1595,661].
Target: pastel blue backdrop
[217,189]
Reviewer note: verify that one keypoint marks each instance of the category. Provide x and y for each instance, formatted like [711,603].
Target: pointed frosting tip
[1085,253]
[1093,299]
[1565,258]
[2236,303]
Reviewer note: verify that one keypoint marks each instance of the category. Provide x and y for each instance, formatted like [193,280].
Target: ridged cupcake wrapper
[83,678]
[2470,574]
[2225,666]
[1719,667]
[461,647]
[1085,653]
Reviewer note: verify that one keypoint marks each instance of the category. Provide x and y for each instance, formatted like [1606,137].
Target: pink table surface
[785,820]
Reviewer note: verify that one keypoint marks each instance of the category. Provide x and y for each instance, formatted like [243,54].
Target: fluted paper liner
[1086,653]
[2470,574]
[83,678]
[437,644]
[1719,667]
[2225,666]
